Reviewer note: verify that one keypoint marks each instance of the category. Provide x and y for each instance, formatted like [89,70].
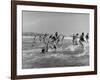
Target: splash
[74,48]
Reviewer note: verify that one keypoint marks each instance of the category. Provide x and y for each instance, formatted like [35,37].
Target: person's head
[77,34]
[56,32]
[83,34]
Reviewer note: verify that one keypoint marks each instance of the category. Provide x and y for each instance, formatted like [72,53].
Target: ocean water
[66,55]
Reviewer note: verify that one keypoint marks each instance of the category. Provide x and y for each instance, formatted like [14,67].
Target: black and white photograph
[55,39]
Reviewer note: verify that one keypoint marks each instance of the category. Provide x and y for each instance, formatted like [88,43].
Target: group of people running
[52,40]
[80,39]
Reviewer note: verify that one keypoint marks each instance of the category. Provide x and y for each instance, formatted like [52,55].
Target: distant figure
[61,37]
[87,37]
[76,39]
[56,34]
[73,38]
[81,41]
[34,37]
[44,37]
[34,40]
[40,37]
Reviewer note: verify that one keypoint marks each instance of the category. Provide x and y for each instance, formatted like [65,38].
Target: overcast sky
[50,22]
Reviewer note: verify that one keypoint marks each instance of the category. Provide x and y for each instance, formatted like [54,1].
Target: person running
[44,38]
[40,38]
[56,34]
[87,37]
[81,40]
[34,40]
[76,39]
[34,37]
[73,40]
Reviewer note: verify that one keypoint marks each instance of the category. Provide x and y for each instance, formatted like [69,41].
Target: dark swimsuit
[82,38]
[87,37]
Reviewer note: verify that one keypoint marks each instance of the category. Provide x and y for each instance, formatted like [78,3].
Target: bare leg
[81,43]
